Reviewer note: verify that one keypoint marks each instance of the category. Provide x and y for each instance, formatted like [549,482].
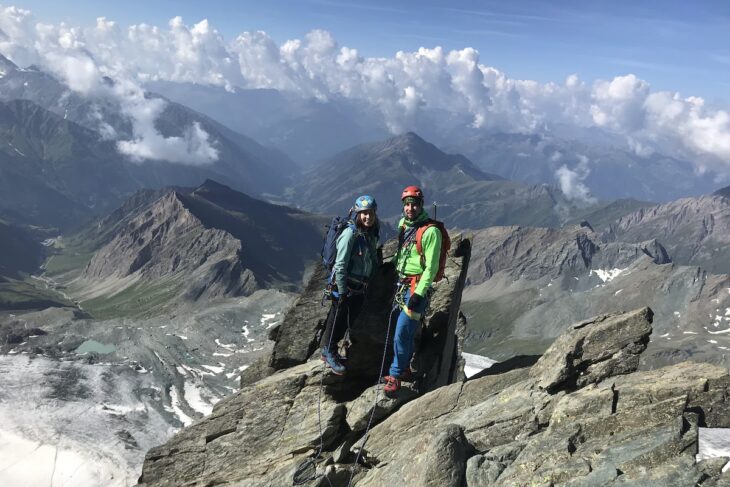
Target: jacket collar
[423,216]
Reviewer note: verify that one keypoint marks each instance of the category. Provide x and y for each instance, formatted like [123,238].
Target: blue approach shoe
[330,358]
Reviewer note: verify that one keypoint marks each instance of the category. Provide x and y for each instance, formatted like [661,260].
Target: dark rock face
[296,338]
[581,416]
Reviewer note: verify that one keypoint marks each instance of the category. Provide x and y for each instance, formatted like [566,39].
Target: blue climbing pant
[405,331]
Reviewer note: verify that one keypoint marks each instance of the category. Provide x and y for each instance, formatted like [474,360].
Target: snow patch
[714,443]
[229,346]
[195,399]
[268,317]
[718,332]
[237,371]
[24,462]
[607,275]
[176,409]
[120,410]
[214,369]
[245,334]
[474,364]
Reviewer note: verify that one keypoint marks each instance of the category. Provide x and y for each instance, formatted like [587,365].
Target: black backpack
[329,247]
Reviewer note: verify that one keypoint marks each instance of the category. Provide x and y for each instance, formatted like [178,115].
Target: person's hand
[338,297]
[415,301]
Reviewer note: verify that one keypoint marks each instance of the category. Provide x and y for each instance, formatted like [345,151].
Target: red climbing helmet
[412,191]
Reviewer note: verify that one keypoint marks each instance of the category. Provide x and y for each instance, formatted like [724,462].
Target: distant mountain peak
[408,141]
[212,185]
[7,65]
[724,192]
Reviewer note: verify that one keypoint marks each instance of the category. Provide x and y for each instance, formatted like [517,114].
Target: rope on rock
[299,477]
[299,474]
[377,390]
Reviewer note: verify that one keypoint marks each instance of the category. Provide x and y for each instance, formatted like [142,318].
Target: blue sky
[674,45]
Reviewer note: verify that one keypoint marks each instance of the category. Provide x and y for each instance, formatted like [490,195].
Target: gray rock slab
[614,342]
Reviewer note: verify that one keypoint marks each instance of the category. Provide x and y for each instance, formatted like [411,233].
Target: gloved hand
[415,301]
[338,297]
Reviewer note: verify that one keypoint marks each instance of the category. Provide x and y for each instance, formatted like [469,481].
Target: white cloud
[571,181]
[193,147]
[80,58]
[641,149]
[400,88]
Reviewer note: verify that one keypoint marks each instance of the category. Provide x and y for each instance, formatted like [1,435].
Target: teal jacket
[357,256]
[408,261]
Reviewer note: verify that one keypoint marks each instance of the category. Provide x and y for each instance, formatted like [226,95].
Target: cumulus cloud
[571,181]
[82,58]
[401,88]
[193,147]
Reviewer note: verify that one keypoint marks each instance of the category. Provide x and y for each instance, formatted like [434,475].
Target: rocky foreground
[581,415]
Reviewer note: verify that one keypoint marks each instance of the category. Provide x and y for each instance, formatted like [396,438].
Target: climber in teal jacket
[357,259]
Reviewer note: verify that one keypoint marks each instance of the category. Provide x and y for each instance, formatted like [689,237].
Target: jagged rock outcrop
[437,359]
[580,416]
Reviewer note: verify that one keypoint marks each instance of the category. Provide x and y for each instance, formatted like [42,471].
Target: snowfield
[72,424]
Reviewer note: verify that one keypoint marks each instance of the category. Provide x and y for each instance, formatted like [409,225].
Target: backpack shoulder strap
[419,234]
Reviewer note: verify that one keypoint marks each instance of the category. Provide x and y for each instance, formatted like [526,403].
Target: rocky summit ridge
[191,244]
[581,415]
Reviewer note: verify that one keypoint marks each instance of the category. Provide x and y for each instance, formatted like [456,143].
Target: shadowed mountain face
[607,169]
[58,167]
[19,252]
[695,231]
[466,196]
[55,172]
[307,130]
[210,242]
[383,169]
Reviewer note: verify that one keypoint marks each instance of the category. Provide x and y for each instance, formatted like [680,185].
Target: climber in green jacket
[416,273]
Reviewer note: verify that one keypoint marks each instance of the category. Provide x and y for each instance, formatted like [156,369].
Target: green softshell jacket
[408,260]
[357,256]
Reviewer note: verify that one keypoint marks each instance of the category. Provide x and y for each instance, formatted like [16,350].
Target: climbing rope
[394,306]
[298,478]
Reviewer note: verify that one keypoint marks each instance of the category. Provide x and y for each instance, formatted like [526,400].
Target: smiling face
[367,218]
[412,208]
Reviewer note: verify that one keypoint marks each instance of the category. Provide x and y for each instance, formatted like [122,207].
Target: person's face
[367,218]
[412,209]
